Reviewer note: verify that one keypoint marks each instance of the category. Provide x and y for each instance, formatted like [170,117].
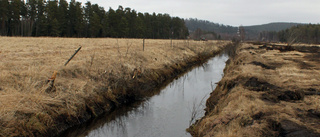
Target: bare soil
[267,90]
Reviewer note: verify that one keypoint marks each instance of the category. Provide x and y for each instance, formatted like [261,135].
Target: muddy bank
[267,90]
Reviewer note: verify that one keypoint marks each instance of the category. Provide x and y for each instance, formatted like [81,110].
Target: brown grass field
[104,74]
[267,90]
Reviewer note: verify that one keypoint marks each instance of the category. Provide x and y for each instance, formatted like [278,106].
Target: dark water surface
[167,114]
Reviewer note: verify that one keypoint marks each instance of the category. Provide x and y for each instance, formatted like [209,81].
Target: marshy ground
[267,90]
[103,75]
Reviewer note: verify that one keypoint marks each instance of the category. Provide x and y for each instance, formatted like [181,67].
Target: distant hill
[227,32]
[277,26]
[194,24]
[252,32]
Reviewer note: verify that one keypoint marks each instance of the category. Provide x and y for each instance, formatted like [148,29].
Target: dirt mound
[273,93]
[291,95]
[262,65]
[314,113]
[307,49]
[281,48]
[292,129]
[256,85]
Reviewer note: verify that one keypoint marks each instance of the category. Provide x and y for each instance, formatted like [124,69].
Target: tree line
[307,33]
[62,19]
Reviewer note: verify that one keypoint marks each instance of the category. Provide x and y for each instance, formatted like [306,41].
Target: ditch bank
[267,90]
[122,91]
[168,113]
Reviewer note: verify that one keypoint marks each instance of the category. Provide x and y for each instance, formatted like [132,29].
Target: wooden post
[72,56]
[171,39]
[143,44]
[50,83]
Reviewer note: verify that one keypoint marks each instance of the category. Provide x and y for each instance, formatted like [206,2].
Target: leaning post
[65,64]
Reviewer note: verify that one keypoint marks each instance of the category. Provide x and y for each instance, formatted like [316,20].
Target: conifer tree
[63,17]
[60,18]
[4,12]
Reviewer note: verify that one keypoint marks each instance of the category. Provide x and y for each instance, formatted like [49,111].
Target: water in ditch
[167,114]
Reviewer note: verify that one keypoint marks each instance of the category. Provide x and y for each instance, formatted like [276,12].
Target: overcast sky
[228,12]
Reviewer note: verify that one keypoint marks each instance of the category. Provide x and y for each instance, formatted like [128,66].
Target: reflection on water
[167,114]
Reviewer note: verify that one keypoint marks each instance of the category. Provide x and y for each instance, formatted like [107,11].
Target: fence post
[143,44]
[72,56]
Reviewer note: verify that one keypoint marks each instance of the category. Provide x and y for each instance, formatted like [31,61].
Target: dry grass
[94,79]
[266,93]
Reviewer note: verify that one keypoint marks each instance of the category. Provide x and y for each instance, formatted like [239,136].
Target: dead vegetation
[104,74]
[267,90]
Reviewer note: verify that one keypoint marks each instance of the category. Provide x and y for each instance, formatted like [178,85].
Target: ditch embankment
[104,75]
[166,114]
[267,90]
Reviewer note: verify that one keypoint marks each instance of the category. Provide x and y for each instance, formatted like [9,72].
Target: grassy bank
[105,73]
[267,90]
